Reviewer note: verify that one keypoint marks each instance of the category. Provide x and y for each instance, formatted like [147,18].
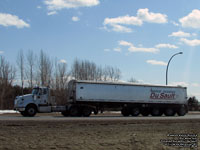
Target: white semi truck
[86,97]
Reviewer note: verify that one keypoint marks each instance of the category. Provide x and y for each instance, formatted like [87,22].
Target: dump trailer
[86,97]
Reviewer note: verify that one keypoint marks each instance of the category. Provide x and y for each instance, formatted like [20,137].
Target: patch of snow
[8,111]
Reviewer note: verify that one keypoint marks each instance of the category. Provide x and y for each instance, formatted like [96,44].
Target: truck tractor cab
[40,95]
[37,101]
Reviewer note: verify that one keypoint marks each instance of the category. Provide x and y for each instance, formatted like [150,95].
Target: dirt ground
[97,135]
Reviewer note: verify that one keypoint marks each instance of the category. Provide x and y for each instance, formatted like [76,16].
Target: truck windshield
[35,91]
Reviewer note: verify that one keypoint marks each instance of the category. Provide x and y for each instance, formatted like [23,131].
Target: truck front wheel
[86,112]
[74,111]
[23,113]
[30,111]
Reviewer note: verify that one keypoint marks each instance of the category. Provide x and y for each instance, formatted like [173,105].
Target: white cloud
[180,34]
[147,16]
[61,4]
[195,84]
[194,42]
[12,20]
[120,28]
[126,20]
[174,23]
[51,13]
[184,84]
[118,49]
[63,61]
[155,62]
[107,50]
[166,46]
[1,52]
[194,34]
[119,24]
[132,48]
[192,20]
[143,49]
[39,7]
[75,18]
[125,43]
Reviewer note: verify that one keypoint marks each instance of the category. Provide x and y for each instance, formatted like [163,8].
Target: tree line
[41,70]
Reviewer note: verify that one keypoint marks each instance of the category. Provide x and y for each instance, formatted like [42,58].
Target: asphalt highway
[104,117]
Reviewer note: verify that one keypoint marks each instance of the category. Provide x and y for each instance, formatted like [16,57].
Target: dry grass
[93,135]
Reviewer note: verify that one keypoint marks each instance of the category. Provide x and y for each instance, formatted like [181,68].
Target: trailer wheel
[181,111]
[86,112]
[145,112]
[156,112]
[125,112]
[169,112]
[23,113]
[30,111]
[135,111]
[73,111]
[95,111]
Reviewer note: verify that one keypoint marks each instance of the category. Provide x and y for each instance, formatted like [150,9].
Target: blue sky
[136,36]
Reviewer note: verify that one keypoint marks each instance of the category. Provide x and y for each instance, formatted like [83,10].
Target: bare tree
[63,75]
[86,70]
[45,69]
[133,80]
[111,74]
[55,80]
[7,72]
[99,74]
[7,75]
[75,69]
[31,60]
[20,64]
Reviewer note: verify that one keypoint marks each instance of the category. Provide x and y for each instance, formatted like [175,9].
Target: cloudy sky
[137,36]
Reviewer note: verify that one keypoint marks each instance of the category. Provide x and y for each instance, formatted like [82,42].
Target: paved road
[109,117]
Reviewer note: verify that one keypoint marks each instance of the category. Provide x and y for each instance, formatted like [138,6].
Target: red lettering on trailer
[168,96]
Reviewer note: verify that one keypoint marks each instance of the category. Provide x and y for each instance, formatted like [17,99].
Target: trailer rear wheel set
[155,111]
[86,111]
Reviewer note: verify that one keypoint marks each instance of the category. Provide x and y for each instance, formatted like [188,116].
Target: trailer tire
[86,112]
[156,112]
[125,112]
[74,111]
[181,111]
[95,111]
[135,111]
[30,111]
[145,112]
[169,112]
